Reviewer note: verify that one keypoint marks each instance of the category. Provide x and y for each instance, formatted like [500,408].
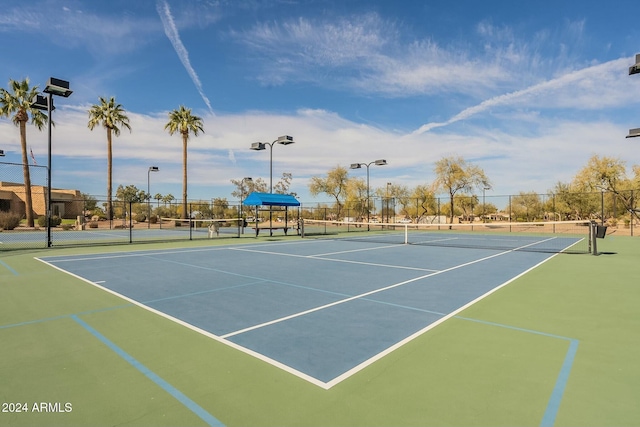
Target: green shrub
[9,221]
[54,221]
[153,219]
[98,214]
[140,217]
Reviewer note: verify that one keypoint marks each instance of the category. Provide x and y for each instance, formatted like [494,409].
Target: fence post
[602,207]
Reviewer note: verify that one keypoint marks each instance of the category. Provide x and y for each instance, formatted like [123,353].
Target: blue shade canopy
[268,199]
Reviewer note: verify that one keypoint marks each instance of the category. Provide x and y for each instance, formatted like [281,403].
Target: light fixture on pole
[380,162]
[59,88]
[258,146]
[151,169]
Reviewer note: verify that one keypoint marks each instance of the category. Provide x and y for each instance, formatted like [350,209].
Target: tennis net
[209,228]
[552,236]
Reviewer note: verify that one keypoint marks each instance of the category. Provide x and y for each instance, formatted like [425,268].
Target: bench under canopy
[271,200]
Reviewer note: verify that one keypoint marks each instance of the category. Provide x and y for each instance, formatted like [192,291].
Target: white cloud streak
[581,89]
[171,31]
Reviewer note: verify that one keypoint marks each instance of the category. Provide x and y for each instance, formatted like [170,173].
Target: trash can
[601,231]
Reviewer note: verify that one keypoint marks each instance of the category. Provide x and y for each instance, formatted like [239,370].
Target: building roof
[269,199]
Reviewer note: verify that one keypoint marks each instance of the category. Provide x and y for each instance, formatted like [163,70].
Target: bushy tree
[454,174]
[608,174]
[334,185]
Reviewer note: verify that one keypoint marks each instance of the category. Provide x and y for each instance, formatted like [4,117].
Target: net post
[406,234]
[302,227]
[190,223]
[593,246]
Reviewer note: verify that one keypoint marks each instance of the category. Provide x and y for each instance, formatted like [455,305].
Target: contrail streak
[512,97]
[172,34]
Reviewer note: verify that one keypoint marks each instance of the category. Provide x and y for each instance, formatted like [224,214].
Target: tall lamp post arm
[380,162]
[283,140]
[59,88]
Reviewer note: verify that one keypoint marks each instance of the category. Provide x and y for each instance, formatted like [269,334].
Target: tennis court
[321,310]
[381,334]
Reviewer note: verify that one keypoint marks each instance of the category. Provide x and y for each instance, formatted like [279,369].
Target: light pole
[248,179]
[634,69]
[258,146]
[380,162]
[484,206]
[388,202]
[151,169]
[60,88]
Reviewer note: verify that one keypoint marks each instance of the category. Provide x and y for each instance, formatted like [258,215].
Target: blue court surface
[320,309]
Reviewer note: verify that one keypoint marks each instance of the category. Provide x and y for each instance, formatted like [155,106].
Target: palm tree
[183,121]
[168,199]
[110,115]
[19,101]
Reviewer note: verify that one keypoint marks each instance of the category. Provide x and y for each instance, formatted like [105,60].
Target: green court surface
[72,354]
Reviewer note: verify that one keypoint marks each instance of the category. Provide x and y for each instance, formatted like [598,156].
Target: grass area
[495,364]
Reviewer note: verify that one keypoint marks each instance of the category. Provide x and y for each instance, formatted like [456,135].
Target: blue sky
[528,91]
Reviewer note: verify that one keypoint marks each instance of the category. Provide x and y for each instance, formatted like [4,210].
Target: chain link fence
[77,219]
[618,211]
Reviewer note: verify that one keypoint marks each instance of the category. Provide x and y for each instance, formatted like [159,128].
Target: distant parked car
[404,221]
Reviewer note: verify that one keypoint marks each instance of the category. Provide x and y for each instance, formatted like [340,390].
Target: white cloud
[100,34]
[368,54]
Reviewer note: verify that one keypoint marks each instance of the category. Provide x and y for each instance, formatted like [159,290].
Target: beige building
[64,203]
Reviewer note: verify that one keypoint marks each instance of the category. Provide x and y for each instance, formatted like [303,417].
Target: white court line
[299,374]
[365,294]
[399,344]
[217,338]
[143,253]
[320,258]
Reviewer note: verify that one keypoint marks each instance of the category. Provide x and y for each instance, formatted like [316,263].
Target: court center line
[257,280]
[365,294]
[174,392]
[375,248]
[322,258]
